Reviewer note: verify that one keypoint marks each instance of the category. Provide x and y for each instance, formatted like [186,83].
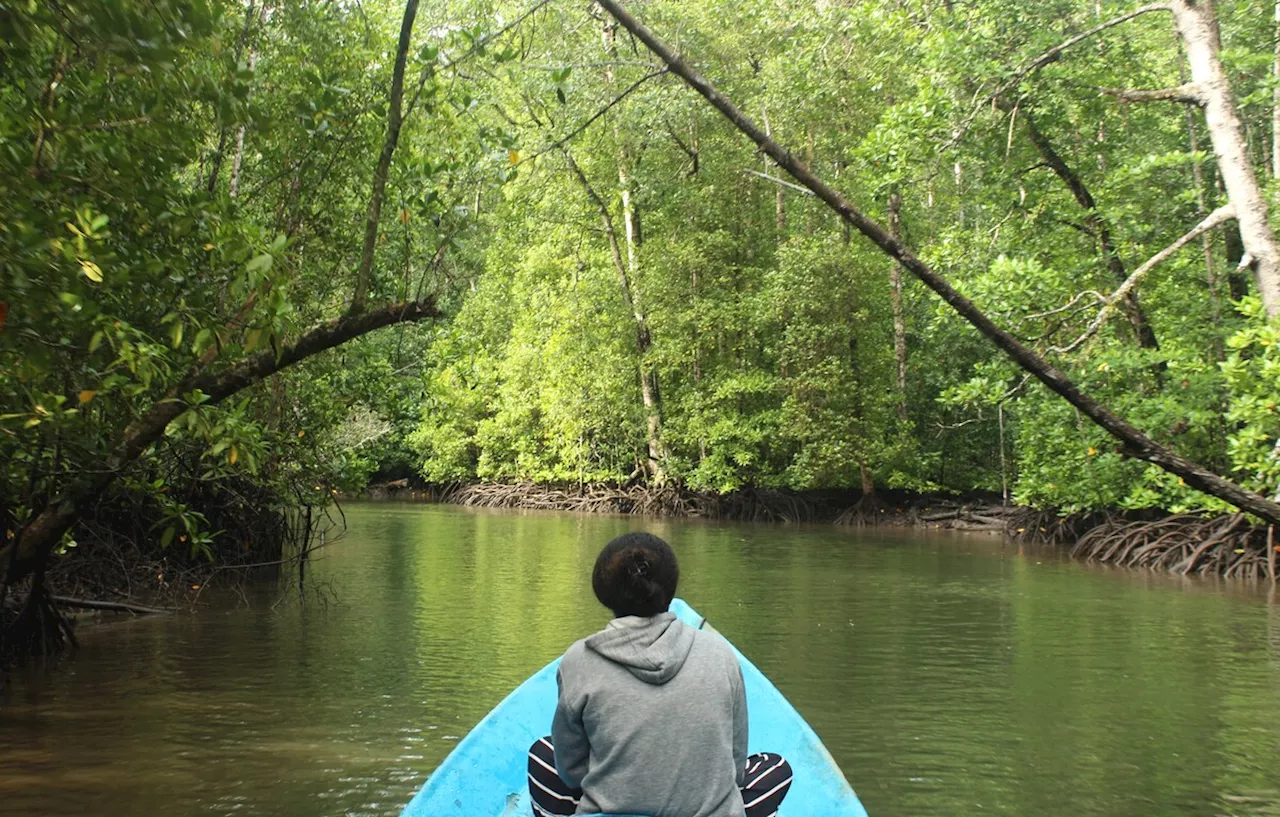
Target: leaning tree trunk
[1135,443]
[1199,31]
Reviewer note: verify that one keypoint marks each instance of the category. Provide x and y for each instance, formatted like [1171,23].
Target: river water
[947,675]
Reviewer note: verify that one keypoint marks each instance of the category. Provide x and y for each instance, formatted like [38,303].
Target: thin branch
[776,180]
[109,606]
[563,140]
[475,49]
[101,125]
[1041,61]
[1189,93]
[1224,213]
[1097,296]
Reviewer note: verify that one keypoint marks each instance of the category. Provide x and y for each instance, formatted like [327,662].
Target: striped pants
[767,782]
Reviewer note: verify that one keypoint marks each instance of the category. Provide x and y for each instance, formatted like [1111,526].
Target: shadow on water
[947,674]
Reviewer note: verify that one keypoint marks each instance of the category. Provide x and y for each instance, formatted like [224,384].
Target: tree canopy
[608,283]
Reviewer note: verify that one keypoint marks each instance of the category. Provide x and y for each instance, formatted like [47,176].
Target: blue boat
[484,776]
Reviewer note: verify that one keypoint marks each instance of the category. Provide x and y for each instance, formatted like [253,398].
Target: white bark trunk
[1275,106]
[1199,31]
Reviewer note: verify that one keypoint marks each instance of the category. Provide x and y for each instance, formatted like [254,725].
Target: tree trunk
[1275,110]
[780,212]
[867,480]
[360,296]
[1206,241]
[234,185]
[1199,30]
[899,319]
[1142,331]
[1135,443]
[649,392]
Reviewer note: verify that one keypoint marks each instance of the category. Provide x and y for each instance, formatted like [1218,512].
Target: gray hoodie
[652,720]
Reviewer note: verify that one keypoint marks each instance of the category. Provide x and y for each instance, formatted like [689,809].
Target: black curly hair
[636,575]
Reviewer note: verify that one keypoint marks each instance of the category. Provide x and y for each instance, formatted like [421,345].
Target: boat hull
[485,775]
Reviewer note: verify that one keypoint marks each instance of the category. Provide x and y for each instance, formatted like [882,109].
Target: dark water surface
[948,676]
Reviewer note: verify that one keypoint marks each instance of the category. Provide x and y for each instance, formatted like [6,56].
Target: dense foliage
[632,291]
[772,333]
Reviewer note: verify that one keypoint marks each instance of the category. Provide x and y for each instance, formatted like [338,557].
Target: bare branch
[563,140]
[607,220]
[1097,296]
[1189,93]
[1224,213]
[776,180]
[1098,226]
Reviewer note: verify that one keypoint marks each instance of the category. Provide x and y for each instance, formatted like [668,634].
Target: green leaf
[167,537]
[260,263]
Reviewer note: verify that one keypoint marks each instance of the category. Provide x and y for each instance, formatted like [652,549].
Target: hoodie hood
[652,649]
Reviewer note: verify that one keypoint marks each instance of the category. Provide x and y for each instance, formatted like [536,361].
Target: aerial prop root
[1183,544]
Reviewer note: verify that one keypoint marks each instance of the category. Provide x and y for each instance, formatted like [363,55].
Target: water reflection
[945,675]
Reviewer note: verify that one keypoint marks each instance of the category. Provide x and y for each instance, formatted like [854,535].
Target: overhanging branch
[38,538]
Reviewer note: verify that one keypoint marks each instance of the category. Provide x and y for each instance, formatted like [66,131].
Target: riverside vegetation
[693,256]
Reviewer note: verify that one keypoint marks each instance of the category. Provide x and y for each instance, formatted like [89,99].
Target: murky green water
[948,676]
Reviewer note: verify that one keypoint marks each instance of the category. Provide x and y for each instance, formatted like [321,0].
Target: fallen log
[110,606]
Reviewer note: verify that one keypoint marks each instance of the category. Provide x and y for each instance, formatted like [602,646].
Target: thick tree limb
[1188,93]
[1137,444]
[1224,213]
[42,534]
[394,120]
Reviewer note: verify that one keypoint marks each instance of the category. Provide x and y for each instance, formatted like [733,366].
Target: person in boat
[652,713]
